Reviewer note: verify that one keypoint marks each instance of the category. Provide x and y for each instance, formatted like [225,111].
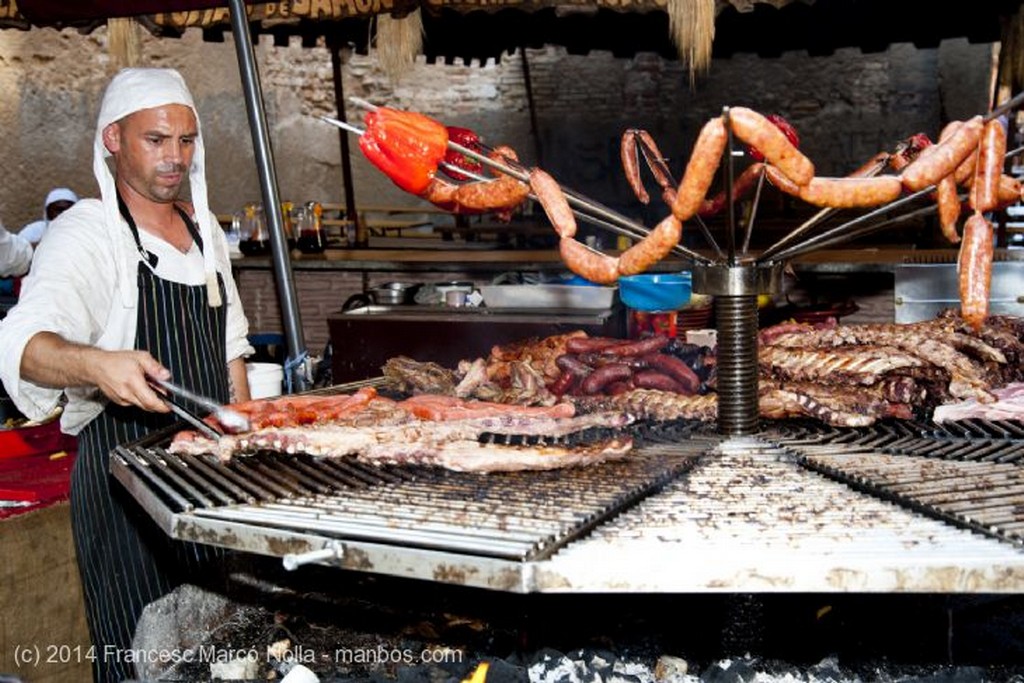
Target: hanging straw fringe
[691,23]
[123,41]
[398,42]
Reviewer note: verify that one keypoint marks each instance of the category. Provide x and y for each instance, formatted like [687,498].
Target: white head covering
[58,194]
[133,90]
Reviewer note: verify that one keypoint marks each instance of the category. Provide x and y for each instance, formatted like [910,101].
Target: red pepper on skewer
[466,138]
[405,146]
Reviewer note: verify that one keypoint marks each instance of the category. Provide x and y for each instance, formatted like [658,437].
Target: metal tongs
[232,421]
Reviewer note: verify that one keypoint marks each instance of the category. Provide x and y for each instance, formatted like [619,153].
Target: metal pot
[387,294]
[394,293]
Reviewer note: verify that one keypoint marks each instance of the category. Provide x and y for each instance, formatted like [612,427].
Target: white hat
[58,194]
[133,90]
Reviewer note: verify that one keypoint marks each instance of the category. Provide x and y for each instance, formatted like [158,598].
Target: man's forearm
[50,360]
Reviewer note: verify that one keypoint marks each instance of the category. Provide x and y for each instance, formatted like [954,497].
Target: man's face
[153,150]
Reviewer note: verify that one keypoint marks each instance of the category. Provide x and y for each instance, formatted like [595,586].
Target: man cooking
[131,286]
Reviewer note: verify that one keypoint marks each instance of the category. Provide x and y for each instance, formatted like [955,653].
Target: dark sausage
[655,379]
[652,248]
[564,384]
[677,369]
[587,263]
[601,377]
[637,348]
[616,388]
[700,170]
[571,364]
[851,193]
[942,159]
[597,360]
[760,133]
[591,344]
[989,171]
[975,268]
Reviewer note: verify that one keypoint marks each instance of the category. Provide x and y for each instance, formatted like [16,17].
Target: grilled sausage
[554,202]
[760,133]
[500,194]
[656,379]
[940,160]
[616,388]
[849,193]
[948,199]
[590,344]
[573,365]
[975,268]
[635,141]
[675,368]
[564,384]
[742,184]
[601,377]
[985,192]
[652,248]
[872,166]
[700,170]
[639,348]
[587,263]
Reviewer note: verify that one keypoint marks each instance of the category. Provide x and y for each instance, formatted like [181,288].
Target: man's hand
[52,361]
[121,376]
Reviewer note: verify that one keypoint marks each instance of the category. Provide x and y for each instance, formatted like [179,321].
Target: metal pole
[339,103]
[297,375]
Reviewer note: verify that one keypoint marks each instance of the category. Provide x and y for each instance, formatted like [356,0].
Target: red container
[669,323]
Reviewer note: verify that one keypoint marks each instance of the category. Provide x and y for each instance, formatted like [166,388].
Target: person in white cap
[15,253]
[59,200]
[130,287]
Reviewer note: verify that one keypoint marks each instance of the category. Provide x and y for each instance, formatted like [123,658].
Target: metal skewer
[588,209]
[836,236]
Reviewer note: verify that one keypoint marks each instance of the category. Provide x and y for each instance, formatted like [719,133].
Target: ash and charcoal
[345,626]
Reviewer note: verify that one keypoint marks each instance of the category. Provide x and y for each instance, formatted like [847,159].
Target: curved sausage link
[781,181]
[758,132]
[849,193]
[940,160]
[746,180]
[948,199]
[700,170]
[975,268]
[501,194]
[556,206]
[652,248]
[872,166]
[587,263]
[629,154]
[634,142]
[985,191]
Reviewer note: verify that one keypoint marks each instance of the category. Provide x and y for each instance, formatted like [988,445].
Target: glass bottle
[253,240]
[311,234]
[287,225]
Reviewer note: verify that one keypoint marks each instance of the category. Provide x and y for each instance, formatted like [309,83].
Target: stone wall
[846,106]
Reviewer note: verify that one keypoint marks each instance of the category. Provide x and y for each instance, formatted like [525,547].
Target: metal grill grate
[515,515]
[966,473]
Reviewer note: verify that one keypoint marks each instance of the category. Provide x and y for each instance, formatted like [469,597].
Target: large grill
[902,507]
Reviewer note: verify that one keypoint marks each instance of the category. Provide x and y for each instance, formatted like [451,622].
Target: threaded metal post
[737,364]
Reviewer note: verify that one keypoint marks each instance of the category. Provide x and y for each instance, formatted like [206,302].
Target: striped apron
[125,560]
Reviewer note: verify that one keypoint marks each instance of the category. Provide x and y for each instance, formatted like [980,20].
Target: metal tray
[548,296]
